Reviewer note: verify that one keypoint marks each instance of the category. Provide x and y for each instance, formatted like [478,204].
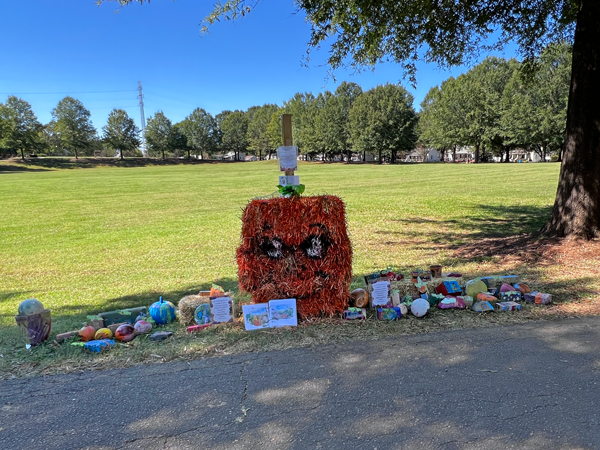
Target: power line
[51,93]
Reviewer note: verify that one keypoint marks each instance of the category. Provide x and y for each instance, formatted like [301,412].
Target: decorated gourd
[125,333]
[162,312]
[103,333]
[142,327]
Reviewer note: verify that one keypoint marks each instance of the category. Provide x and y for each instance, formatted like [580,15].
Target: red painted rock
[87,333]
[125,333]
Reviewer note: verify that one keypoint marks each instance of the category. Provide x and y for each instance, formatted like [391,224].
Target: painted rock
[162,312]
[359,298]
[87,333]
[161,335]
[142,327]
[419,307]
[202,314]
[522,288]
[103,333]
[475,287]
[98,345]
[506,287]
[30,306]
[125,333]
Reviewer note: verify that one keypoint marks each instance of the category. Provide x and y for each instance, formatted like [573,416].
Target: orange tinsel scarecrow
[297,248]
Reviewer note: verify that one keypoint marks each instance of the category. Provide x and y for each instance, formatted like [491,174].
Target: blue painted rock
[30,306]
[202,314]
[142,327]
[98,345]
[125,333]
[162,312]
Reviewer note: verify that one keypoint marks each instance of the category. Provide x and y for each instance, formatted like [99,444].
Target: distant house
[230,156]
[251,158]
[423,155]
[462,155]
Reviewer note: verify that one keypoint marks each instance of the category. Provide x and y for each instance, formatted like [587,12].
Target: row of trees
[500,105]
[492,108]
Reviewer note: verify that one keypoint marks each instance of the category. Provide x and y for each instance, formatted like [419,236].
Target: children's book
[282,313]
[256,317]
[276,313]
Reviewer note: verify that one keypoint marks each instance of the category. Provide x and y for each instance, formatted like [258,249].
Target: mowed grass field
[87,240]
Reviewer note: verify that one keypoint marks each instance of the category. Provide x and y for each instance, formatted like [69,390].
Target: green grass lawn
[87,240]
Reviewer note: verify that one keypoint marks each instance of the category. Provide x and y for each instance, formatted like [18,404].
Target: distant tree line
[497,106]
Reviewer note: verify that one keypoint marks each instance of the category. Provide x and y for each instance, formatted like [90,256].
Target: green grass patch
[98,238]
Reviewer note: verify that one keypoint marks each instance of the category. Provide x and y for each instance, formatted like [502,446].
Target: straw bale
[297,248]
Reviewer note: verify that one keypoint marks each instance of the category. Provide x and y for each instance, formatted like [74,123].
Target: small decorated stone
[87,333]
[142,327]
[98,345]
[125,333]
[161,335]
[103,333]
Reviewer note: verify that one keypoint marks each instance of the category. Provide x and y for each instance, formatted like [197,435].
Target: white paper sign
[289,180]
[380,293]
[221,310]
[288,158]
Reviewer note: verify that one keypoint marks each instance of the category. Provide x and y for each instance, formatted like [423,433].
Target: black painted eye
[315,246]
[273,248]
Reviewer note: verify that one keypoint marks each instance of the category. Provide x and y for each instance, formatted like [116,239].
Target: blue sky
[54,48]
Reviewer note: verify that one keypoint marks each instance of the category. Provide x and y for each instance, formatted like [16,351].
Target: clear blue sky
[54,48]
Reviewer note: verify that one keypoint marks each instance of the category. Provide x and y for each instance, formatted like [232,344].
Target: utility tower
[142,118]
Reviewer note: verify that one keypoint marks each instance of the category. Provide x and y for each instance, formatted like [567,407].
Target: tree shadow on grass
[8,168]
[485,221]
[90,163]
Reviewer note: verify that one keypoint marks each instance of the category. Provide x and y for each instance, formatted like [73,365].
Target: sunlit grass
[89,240]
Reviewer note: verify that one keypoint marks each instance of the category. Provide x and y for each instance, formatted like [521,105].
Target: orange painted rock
[523,288]
[483,297]
[103,333]
[87,333]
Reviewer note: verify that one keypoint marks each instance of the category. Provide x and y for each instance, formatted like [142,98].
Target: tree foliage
[19,127]
[235,132]
[383,120]
[73,125]
[200,129]
[121,133]
[158,134]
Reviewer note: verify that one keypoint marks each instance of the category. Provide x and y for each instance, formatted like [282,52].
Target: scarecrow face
[297,248]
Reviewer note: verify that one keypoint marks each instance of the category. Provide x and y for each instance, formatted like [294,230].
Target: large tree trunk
[76,156]
[454,154]
[477,153]
[507,155]
[577,206]
[121,152]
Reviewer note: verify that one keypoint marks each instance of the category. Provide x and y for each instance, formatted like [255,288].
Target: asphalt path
[532,386]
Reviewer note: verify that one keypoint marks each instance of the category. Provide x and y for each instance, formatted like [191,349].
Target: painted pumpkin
[103,333]
[125,333]
[162,312]
[87,333]
[297,248]
[142,327]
